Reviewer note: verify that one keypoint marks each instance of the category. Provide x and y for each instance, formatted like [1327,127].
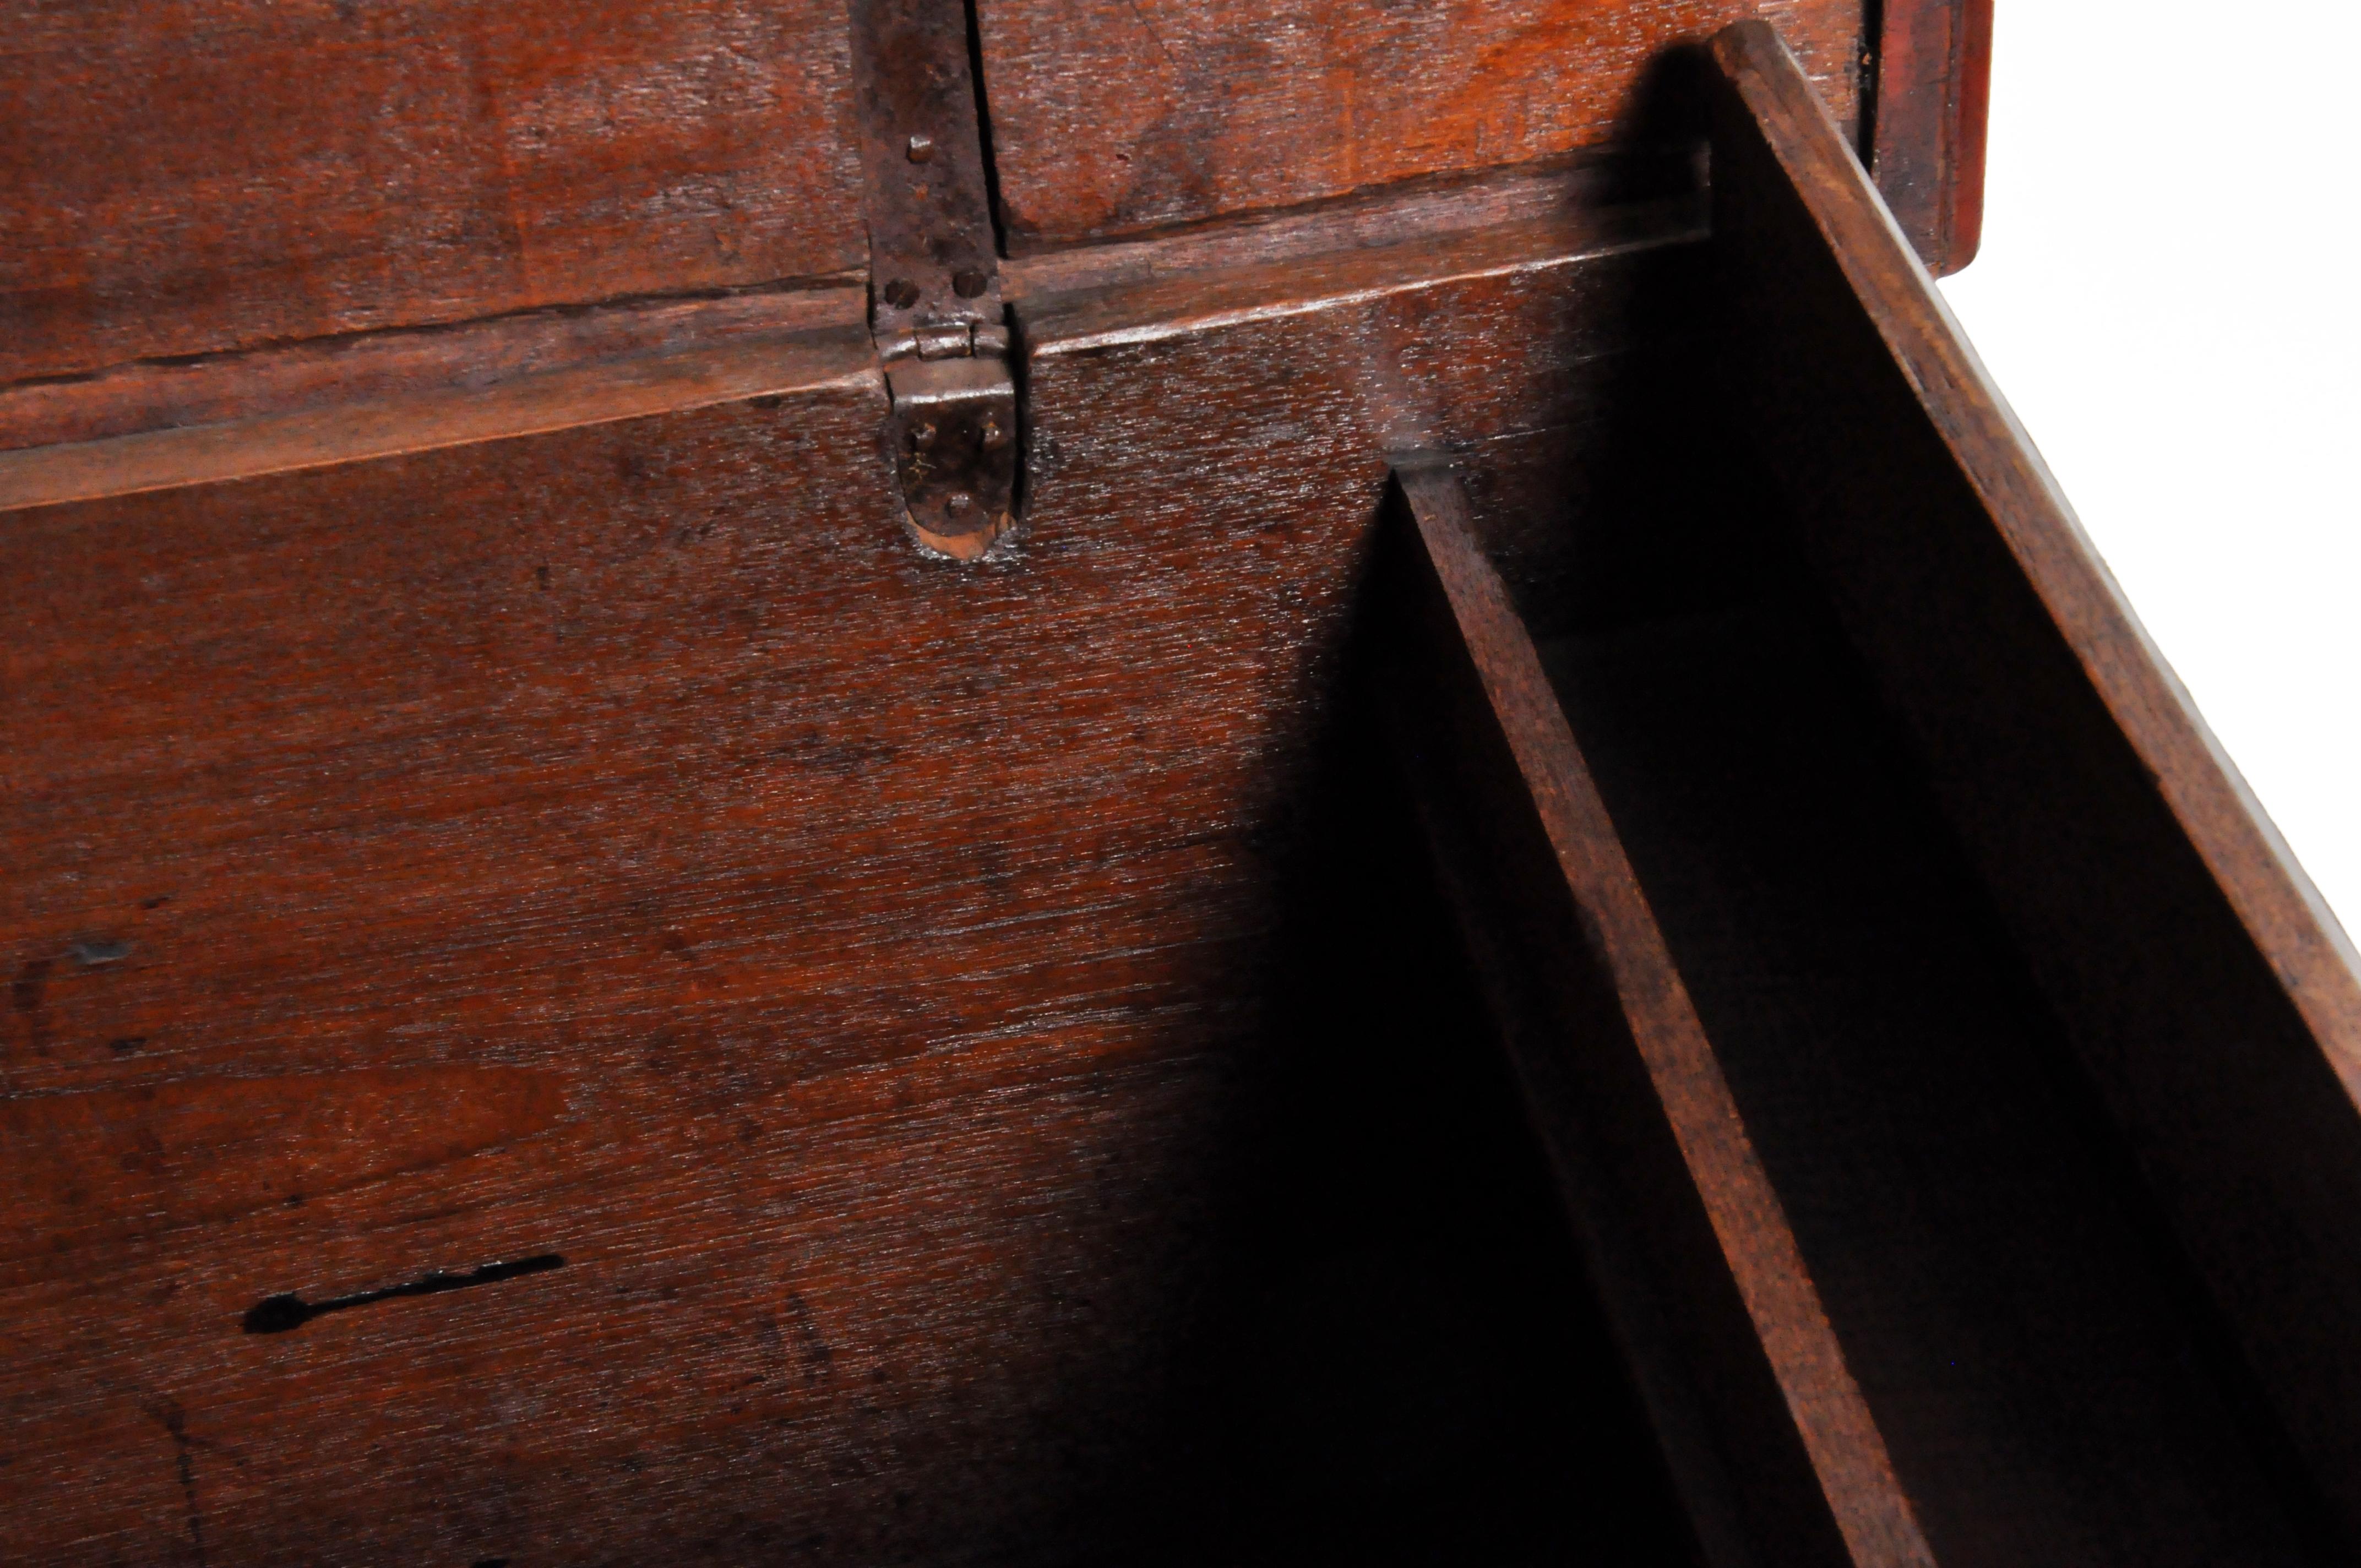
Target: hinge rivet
[902,292]
[922,147]
[968,282]
[958,503]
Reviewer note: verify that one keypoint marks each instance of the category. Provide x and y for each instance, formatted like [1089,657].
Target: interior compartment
[2051,1380]
[1001,1079]
[2003,1294]
[1401,1360]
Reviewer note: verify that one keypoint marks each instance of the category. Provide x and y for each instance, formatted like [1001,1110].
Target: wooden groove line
[837,360]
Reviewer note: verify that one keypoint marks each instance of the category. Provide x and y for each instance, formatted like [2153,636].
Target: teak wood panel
[283,440]
[486,358]
[633,791]
[1112,118]
[206,175]
[2207,990]
[1781,1461]
[614,844]
[867,979]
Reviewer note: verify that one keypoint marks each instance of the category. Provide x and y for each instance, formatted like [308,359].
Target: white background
[2167,294]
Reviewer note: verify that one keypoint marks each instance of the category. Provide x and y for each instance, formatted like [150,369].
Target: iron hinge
[935,310]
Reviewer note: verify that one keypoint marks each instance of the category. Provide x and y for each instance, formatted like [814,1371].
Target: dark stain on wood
[286,1311]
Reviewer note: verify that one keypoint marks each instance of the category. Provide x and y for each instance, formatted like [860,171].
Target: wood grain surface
[911,1003]
[1986,1259]
[1627,1083]
[2208,991]
[204,175]
[1764,909]
[424,416]
[372,367]
[1114,117]
[570,998]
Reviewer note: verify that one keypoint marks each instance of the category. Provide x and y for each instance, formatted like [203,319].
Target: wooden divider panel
[1872,1251]
[1778,1454]
[2207,989]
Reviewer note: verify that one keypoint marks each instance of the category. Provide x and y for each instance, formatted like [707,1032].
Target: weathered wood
[2208,993]
[327,170]
[1628,188]
[1113,118]
[945,1078]
[570,998]
[1783,1425]
[340,372]
[208,175]
[422,416]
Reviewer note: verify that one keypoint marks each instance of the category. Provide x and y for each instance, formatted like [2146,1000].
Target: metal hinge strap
[935,307]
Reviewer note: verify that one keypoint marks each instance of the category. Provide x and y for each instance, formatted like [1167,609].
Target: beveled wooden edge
[2280,908]
[1561,189]
[382,397]
[1831,1419]
[1926,122]
[217,388]
[596,393]
[2247,1122]
[1176,303]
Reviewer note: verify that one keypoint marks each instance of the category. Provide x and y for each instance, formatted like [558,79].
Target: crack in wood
[279,1314]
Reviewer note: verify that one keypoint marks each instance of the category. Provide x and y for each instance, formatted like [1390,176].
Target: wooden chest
[1103,780]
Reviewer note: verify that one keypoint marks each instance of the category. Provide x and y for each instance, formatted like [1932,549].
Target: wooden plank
[1562,249]
[2208,992]
[527,763]
[752,366]
[1124,116]
[206,175]
[1776,1358]
[1929,93]
[1578,205]
[220,389]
